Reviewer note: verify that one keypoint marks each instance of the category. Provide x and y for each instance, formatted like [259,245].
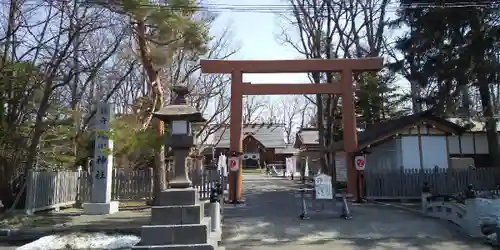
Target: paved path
[7,247]
[269,221]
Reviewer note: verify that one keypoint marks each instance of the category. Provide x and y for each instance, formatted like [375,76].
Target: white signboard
[306,168]
[102,167]
[323,187]
[290,165]
[222,164]
[360,162]
[234,164]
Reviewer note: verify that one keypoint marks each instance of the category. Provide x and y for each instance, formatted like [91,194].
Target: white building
[412,142]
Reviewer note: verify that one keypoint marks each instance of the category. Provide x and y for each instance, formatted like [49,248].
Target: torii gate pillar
[345,87]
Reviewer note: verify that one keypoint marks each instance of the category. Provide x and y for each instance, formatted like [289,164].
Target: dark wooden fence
[407,183]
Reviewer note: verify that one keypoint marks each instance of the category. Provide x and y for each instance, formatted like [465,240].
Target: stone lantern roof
[179,109]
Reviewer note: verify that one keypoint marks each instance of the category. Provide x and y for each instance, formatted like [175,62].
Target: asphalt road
[7,247]
[269,221]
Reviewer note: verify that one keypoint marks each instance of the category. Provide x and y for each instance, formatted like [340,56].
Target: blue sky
[255,34]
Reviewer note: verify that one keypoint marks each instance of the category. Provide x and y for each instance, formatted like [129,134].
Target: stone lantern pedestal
[178,222]
[178,216]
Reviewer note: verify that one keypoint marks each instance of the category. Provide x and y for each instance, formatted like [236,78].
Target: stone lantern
[177,217]
[179,117]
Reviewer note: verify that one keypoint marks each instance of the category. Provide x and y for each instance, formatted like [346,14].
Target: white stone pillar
[102,167]
[424,201]
[473,216]
[214,211]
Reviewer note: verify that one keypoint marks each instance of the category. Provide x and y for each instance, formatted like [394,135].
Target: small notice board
[323,187]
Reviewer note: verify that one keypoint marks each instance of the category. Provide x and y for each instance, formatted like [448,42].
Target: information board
[323,187]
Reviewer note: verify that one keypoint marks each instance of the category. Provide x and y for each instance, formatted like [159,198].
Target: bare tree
[291,111]
[158,37]
[286,111]
[253,109]
[273,113]
[307,113]
[317,24]
[39,44]
[329,30]
[209,92]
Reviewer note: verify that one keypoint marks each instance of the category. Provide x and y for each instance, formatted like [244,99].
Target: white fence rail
[50,190]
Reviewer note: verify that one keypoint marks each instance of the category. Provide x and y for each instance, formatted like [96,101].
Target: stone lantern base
[178,222]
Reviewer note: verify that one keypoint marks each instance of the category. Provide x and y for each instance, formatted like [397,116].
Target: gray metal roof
[270,135]
[473,125]
[288,150]
[309,137]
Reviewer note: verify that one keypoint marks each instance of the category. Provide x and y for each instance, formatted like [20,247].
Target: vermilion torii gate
[345,87]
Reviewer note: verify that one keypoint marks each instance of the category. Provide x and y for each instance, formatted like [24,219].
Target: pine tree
[448,49]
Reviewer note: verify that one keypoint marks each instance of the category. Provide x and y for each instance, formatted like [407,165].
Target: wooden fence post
[78,198]
[151,177]
[29,203]
[55,191]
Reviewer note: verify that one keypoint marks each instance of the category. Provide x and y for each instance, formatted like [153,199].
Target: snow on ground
[489,213]
[287,174]
[489,210]
[82,241]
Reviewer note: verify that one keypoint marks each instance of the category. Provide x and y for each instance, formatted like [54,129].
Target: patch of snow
[492,237]
[489,210]
[83,241]
[279,173]
[489,213]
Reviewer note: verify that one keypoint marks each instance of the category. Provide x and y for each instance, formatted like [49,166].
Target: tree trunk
[490,125]
[484,92]
[158,97]
[159,170]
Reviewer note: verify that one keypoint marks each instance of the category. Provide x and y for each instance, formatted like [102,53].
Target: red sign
[360,162]
[234,164]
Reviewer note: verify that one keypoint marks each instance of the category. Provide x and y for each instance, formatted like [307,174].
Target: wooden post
[350,133]
[78,196]
[235,131]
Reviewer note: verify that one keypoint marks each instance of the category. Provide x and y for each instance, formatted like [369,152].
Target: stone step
[180,247]
[177,197]
[177,215]
[212,244]
[153,235]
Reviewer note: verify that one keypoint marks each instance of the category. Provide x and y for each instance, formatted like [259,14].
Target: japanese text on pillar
[102,142]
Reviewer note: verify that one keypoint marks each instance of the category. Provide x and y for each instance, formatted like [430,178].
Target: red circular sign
[360,163]
[233,164]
